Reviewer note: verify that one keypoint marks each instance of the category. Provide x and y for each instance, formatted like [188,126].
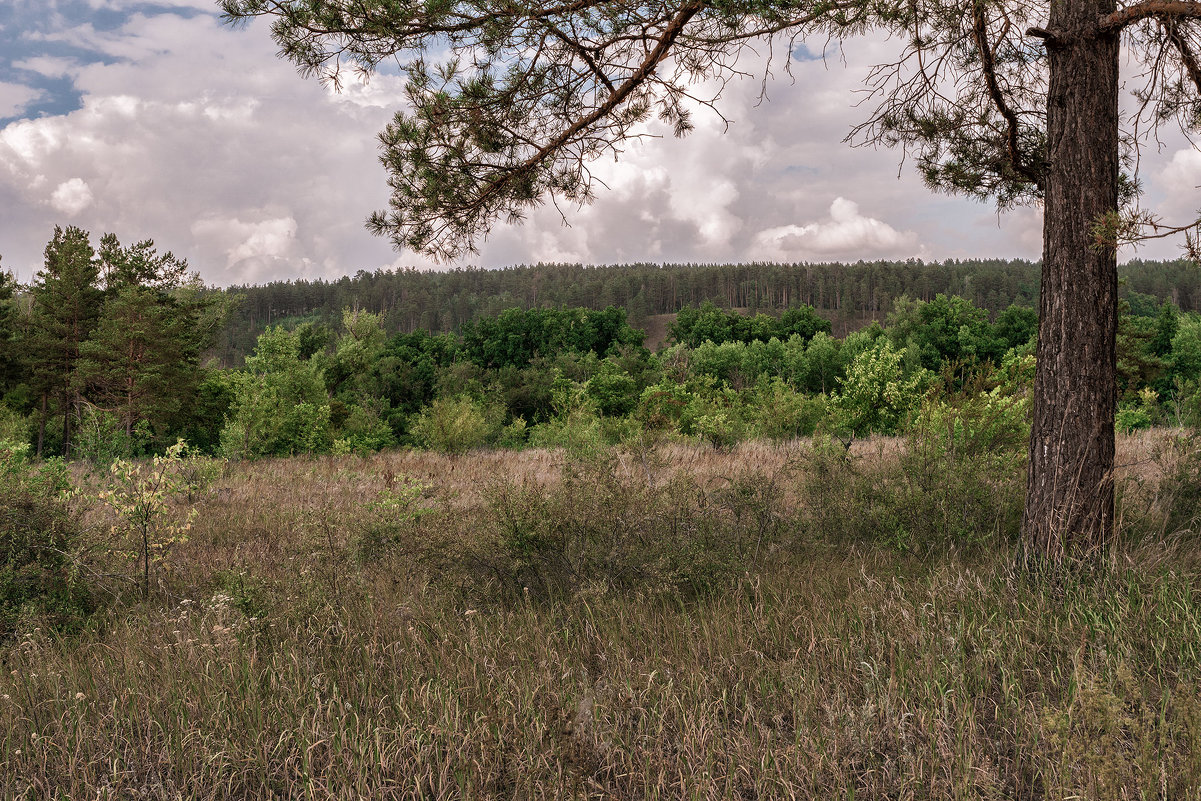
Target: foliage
[949,329]
[454,425]
[778,412]
[66,306]
[40,546]
[696,326]
[516,337]
[878,394]
[601,529]
[1132,416]
[141,496]
[392,520]
[280,404]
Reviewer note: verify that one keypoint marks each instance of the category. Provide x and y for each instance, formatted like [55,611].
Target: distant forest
[848,295]
[107,353]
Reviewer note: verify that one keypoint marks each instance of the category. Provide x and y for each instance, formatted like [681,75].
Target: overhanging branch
[1112,23]
[1187,56]
[989,67]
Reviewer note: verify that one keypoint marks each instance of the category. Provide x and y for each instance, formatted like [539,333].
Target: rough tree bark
[1069,510]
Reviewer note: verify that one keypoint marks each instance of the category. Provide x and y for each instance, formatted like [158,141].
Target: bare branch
[1187,56]
[988,66]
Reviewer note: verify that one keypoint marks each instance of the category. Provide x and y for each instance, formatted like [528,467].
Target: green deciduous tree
[877,393]
[1016,101]
[280,405]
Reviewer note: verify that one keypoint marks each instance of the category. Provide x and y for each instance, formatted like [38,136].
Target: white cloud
[49,66]
[71,197]
[270,238]
[847,234]
[15,98]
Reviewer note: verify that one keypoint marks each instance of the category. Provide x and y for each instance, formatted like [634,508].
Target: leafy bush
[958,480]
[391,520]
[39,546]
[454,425]
[101,438]
[614,392]
[141,496]
[364,431]
[1136,416]
[280,405]
[14,428]
[777,412]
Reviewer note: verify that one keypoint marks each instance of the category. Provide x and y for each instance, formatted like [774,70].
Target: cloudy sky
[153,120]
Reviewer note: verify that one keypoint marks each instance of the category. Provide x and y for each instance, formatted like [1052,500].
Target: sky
[152,120]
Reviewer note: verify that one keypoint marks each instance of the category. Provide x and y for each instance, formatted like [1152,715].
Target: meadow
[671,621]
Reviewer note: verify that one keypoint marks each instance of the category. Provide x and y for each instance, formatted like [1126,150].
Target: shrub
[39,546]
[780,413]
[454,425]
[614,392]
[140,496]
[1136,416]
[364,431]
[877,394]
[957,480]
[391,520]
[14,428]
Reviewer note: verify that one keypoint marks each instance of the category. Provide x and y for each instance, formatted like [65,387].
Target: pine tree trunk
[1069,511]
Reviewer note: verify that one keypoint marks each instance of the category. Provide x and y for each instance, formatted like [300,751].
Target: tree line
[113,350]
[849,295]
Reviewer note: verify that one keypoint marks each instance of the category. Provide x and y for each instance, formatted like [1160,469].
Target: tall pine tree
[142,362]
[66,307]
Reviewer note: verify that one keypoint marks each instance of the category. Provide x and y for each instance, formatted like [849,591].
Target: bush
[780,413]
[39,546]
[958,480]
[878,393]
[454,425]
[14,428]
[364,431]
[1133,416]
[101,438]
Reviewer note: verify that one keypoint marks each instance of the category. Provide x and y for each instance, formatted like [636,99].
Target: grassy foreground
[408,626]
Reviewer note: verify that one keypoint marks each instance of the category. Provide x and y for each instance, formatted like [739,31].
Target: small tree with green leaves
[141,496]
[877,394]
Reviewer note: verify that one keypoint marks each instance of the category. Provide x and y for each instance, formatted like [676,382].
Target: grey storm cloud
[198,136]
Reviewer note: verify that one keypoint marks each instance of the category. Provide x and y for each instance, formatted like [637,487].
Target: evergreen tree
[142,362]
[12,366]
[66,306]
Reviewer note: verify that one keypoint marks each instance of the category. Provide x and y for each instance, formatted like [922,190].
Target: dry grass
[274,664]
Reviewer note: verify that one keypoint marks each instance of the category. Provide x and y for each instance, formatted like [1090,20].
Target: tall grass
[290,655]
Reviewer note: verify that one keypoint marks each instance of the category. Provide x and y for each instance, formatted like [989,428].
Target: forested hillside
[849,295]
[119,351]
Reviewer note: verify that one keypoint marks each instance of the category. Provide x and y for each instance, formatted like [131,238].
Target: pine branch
[989,67]
[1112,23]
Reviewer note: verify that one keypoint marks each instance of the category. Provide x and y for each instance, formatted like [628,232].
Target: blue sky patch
[24,28]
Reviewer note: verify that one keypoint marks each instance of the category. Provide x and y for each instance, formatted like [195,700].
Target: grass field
[671,623]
